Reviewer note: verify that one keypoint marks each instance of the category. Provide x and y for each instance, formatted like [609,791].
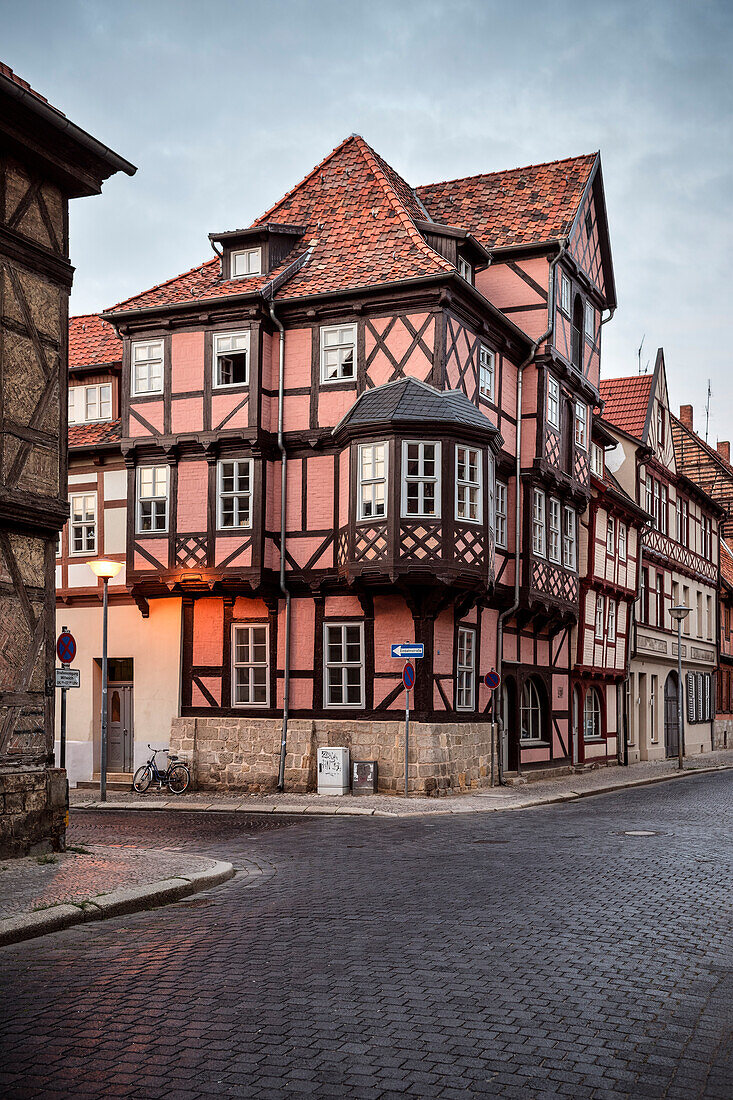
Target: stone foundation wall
[33,807]
[722,734]
[243,753]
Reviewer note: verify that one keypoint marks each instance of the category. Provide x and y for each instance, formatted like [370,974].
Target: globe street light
[679,614]
[106,570]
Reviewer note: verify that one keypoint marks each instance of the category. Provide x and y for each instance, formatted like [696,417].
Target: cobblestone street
[579,950]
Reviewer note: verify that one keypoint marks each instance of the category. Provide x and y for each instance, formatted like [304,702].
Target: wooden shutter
[690,697]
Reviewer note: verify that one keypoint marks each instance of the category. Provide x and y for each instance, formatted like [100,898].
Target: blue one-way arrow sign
[408,649]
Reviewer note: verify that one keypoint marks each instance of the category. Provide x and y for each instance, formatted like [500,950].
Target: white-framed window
[554,552]
[660,424]
[231,359]
[622,541]
[501,514]
[372,500]
[596,459]
[611,536]
[487,372]
[338,353]
[83,523]
[663,509]
[600,615]
[246,261]
[611,621]
[581,425]
[58,544]
[152,499]
[234,493]
[538,523]
[468,485]
[553,402]
[592,722]
[147,367]
[250,665]
[420,479]
[466,669]
[649,494]
[531,712]
[90,404]
[655,502]
[590,321]
[569,542]
[565,293]
[464,269]
[343,659]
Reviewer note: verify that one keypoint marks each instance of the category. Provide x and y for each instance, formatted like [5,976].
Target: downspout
[505,615]
[283,586]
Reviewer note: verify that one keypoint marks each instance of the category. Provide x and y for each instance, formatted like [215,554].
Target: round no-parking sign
[408,676]
[492,680]
[66,648]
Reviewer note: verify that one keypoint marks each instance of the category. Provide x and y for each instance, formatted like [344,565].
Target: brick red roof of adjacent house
[94,435]
[704,465]
[626,401]
[91,341]
[360,218]
[522,206]
[5,70]
[726,563]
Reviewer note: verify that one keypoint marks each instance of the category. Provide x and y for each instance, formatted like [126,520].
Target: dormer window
[596,459]
[231,359]
[465,270]
[247,261]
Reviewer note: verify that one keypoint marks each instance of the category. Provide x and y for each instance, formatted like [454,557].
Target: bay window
[553,401]
[420,479]
[468,484]
[538,523]
[501,514]
[372,499]
[569,544]
[581,425]
[553,549]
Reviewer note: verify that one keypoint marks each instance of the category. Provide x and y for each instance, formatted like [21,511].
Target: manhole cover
[639,832]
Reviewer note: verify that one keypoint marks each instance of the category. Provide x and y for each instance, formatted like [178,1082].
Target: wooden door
[671,717]
[119,727]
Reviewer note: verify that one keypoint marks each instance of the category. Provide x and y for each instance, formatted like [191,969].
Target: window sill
[532,744]
[593,740]
[228,386]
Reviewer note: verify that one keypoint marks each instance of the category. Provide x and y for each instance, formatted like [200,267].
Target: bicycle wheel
[178,779]
[143,776]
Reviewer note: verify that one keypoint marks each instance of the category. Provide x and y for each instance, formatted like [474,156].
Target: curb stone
[118,903]
[366,811]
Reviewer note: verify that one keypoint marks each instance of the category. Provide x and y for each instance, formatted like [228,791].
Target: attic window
[247,261]
[588,223]
[465,270]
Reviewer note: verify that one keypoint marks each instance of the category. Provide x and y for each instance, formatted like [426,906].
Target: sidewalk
[40,894]
[542,792]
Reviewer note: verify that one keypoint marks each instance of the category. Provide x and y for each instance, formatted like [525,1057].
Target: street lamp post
[105,570]
[679,614]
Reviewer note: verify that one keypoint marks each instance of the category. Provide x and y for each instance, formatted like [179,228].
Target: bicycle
[176,777]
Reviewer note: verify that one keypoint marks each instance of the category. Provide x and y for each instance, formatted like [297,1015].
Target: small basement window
[247,261]
[231,359]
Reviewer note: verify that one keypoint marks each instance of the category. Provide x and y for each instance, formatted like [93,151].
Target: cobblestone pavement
[489,798]
[38,883]
[576,950]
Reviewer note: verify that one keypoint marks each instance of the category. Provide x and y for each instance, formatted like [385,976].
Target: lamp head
[104,568]
[679,613]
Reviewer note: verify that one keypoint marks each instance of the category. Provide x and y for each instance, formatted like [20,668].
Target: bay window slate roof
[410,401]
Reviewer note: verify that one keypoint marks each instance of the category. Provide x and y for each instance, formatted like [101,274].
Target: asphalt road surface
[522,954]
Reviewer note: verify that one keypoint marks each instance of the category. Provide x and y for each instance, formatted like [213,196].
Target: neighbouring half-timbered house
[45,160]
[723,727]
[322,428]
[679,566]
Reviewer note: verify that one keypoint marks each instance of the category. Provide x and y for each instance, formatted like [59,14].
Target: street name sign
[68,678]
[408,649]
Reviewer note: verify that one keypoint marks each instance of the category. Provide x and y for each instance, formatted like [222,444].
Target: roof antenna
[638,354]
[707,411]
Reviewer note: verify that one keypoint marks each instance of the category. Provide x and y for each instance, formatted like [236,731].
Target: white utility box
[333,771]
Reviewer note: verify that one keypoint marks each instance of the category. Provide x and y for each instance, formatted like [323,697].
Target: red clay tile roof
[359,218]
[91,341]
[522,206]
[726,563]
[626,402]
[6,71]
[94,435]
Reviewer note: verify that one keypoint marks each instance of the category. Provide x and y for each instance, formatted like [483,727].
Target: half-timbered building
[679,565]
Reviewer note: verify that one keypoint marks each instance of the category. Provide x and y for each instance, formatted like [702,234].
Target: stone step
[116,781]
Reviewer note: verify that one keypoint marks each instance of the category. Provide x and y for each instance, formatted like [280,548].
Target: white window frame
[622,536]
[590,321]
[554,525]
[219,337]
[250,264]
[371,483]
[464,269]
[151,360]
[81,393]
[581,425]
[596,460]
[487,373]
[466,669]
[154,499]
[600,616]
[570,538]
[596,715]
[88,527]
[539,528]
[421,479]
[611,632]
[466,486]
[342,345]
[501,530]
[565,294]
[611,535]
[534,710]
[251,665]
[553,402]
[237,496]
[343,665]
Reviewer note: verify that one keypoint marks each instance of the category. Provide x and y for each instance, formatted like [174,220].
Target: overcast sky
[224,105]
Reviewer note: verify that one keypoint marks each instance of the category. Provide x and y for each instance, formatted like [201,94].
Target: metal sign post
[408,679]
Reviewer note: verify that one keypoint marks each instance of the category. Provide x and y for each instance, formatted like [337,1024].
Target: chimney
[686,416]
[724,451]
